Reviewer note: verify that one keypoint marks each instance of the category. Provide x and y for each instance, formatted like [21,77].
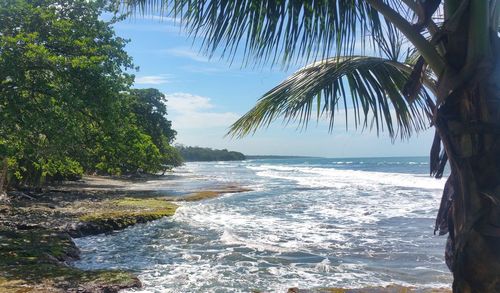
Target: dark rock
[37,261]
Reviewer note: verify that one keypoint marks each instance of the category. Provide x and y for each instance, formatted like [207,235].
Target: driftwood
[21,194]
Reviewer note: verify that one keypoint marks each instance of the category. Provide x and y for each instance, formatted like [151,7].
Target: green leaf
[375,84]
[272,29]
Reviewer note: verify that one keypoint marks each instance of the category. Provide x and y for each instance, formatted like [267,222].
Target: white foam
[260,239]
[323,266]
[335,178]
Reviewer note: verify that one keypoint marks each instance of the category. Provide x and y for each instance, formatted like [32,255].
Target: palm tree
[448,79]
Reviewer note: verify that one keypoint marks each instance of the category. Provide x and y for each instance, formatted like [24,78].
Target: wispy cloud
[159,18]
[154,79]
[188,53]
[143,25]
[205,69]
[190,111]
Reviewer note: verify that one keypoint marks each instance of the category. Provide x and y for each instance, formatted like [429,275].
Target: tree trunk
[469,128]
[3,176]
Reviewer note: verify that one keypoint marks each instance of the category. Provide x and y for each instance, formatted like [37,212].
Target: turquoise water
[309,222]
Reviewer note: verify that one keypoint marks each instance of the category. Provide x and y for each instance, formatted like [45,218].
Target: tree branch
[427,50]
[428,82]
[431,26]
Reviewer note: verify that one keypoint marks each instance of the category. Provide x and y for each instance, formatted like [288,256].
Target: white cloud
[159,18]
[183,102]
[153,79]
[204,69]
[153,27]
[188,53]
[188,111]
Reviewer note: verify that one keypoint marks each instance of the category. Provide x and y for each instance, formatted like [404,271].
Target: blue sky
[206,95]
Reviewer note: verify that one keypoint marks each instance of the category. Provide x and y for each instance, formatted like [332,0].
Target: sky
[206,95]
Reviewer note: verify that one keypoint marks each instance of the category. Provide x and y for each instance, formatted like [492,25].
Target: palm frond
[374,92]
[270,29]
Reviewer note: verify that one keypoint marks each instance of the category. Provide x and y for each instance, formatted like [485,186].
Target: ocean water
[308,223]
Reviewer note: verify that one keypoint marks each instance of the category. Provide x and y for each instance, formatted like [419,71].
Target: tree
[149,106]
[66,106]
[454,56]
[136,136]
[191,154]
[61,69]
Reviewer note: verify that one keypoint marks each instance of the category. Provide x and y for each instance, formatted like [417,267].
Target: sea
[308,223]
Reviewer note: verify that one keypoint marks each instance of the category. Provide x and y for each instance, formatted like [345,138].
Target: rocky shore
[36,231]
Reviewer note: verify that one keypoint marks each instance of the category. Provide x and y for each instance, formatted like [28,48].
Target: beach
[258,226]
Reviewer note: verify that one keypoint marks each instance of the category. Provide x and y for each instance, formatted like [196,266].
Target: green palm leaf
[268,28]
[372,86]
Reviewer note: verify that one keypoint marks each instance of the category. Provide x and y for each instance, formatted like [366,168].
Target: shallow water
[309,222]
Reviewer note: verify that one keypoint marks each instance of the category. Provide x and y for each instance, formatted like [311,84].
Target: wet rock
[36,248]
[37,261]
[208,194]
[122,213]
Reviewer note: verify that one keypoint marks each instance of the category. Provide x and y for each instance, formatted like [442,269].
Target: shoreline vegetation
[202,154]
[36,230]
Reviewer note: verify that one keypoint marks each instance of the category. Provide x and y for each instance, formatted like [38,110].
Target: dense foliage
[65,100]
[208,154]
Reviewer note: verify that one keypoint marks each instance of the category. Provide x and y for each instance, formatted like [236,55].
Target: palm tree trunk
[469,127]
[476,227]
